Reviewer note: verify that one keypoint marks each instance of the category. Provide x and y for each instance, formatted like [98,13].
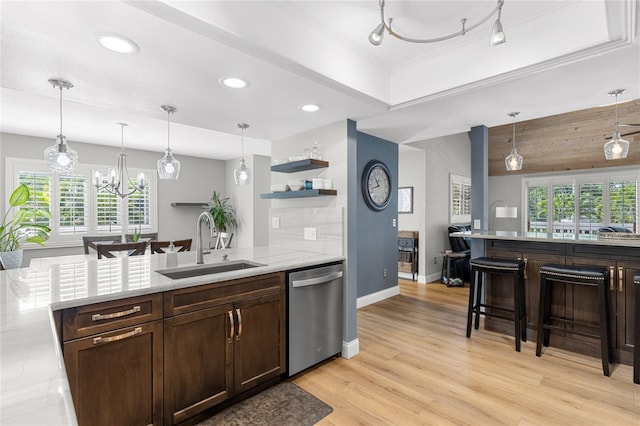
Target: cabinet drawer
[86,320]
[209,295]
[405,267]
[406,242]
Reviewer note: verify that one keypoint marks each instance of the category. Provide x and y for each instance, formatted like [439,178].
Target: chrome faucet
[205,215]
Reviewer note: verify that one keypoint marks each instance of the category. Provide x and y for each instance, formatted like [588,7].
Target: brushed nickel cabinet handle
[232,327]
[525,267]
[620,279]
[99,340]
[239,324]
[612,286]
[98,317]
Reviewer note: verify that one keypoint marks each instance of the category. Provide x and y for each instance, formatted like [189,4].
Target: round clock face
[376,185]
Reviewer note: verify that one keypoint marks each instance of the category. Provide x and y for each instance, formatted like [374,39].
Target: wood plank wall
[568,141]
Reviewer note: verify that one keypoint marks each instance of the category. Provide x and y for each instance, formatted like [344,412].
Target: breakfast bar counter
[618,252]
[35,388]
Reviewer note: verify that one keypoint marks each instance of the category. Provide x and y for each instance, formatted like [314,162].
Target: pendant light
[168,166]
[617,148]
[118,182]
[513,160]
[60,157]
[242,174]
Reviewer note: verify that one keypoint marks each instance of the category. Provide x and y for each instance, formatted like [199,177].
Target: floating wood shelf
[188,204]
[300,194]
[299,166]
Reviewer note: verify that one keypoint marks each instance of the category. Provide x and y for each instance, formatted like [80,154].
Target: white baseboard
[377,297]
[421,278]
[436,276]
[350,349]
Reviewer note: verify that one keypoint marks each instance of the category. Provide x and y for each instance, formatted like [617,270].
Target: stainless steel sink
[214,268]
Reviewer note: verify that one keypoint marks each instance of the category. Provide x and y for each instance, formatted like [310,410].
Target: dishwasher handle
[316,280]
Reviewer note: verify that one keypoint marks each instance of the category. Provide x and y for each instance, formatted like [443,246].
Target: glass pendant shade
[617,148]
[242,174]
[377,35]
[60,157]
[514,161]
[168,166]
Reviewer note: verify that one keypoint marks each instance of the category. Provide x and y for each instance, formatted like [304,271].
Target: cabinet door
[197,361]
[625,300]
[116,377]
[259,341]
[533,262]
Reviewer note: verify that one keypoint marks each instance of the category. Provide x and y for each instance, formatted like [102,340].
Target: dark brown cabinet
[198,356]
[115,375]
[164,358]
[226,338]
[575,302]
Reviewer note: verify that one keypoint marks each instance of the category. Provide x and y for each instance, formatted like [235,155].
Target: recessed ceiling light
[233,82]
[310,108]
[116,43]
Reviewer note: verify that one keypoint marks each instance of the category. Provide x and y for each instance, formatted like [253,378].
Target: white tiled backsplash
[287,228]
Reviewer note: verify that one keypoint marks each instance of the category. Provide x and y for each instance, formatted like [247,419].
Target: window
[459,198]
[582,204]
[76,207]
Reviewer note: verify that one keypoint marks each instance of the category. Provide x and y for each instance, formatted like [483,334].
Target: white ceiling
[560,56]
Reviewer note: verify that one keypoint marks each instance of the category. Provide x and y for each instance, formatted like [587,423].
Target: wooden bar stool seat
[577,275]
[481,266]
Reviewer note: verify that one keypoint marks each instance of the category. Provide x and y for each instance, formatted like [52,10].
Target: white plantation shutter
[108,213]
[76,207]
[139,211]
[623,203]
[583,203]
[39,184]
[73,203]
[460,198]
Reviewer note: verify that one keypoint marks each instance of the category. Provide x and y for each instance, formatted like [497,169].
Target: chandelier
[497,34]
[617,148]
[117,182]
[168,166]
[60,157]
[242,174]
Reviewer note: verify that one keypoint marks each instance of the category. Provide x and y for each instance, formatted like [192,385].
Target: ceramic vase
[11,259]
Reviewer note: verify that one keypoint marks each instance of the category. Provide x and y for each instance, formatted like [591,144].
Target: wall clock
[376,185]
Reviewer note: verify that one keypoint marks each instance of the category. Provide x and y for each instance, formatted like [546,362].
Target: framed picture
[405,199]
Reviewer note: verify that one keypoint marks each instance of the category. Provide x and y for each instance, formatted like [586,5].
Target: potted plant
[21,228]
[224,215]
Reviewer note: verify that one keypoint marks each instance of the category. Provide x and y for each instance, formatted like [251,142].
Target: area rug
[283,404]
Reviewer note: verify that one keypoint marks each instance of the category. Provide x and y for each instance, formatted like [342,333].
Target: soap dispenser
[172,256]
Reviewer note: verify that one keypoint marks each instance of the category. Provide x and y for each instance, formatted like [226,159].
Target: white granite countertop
[34,388]
[618,240]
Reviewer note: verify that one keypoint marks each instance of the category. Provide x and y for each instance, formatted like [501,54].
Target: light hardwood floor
[416,366]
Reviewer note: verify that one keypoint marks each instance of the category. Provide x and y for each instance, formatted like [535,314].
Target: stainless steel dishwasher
[315,311]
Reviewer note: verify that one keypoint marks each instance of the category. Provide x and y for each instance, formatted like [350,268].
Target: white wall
[443,156]
[252,211]
[198,178]
[332,141]
[411,172]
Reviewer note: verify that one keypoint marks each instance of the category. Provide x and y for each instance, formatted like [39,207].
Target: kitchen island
[620,253]
[35,386]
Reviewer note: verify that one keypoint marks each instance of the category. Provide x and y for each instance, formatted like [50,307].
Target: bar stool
[636,350]
[577,275]
[481,266]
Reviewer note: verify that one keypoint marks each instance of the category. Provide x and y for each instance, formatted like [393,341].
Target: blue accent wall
[372,234]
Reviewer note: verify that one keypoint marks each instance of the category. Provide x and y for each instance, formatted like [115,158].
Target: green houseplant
[21,228]
[224,215]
